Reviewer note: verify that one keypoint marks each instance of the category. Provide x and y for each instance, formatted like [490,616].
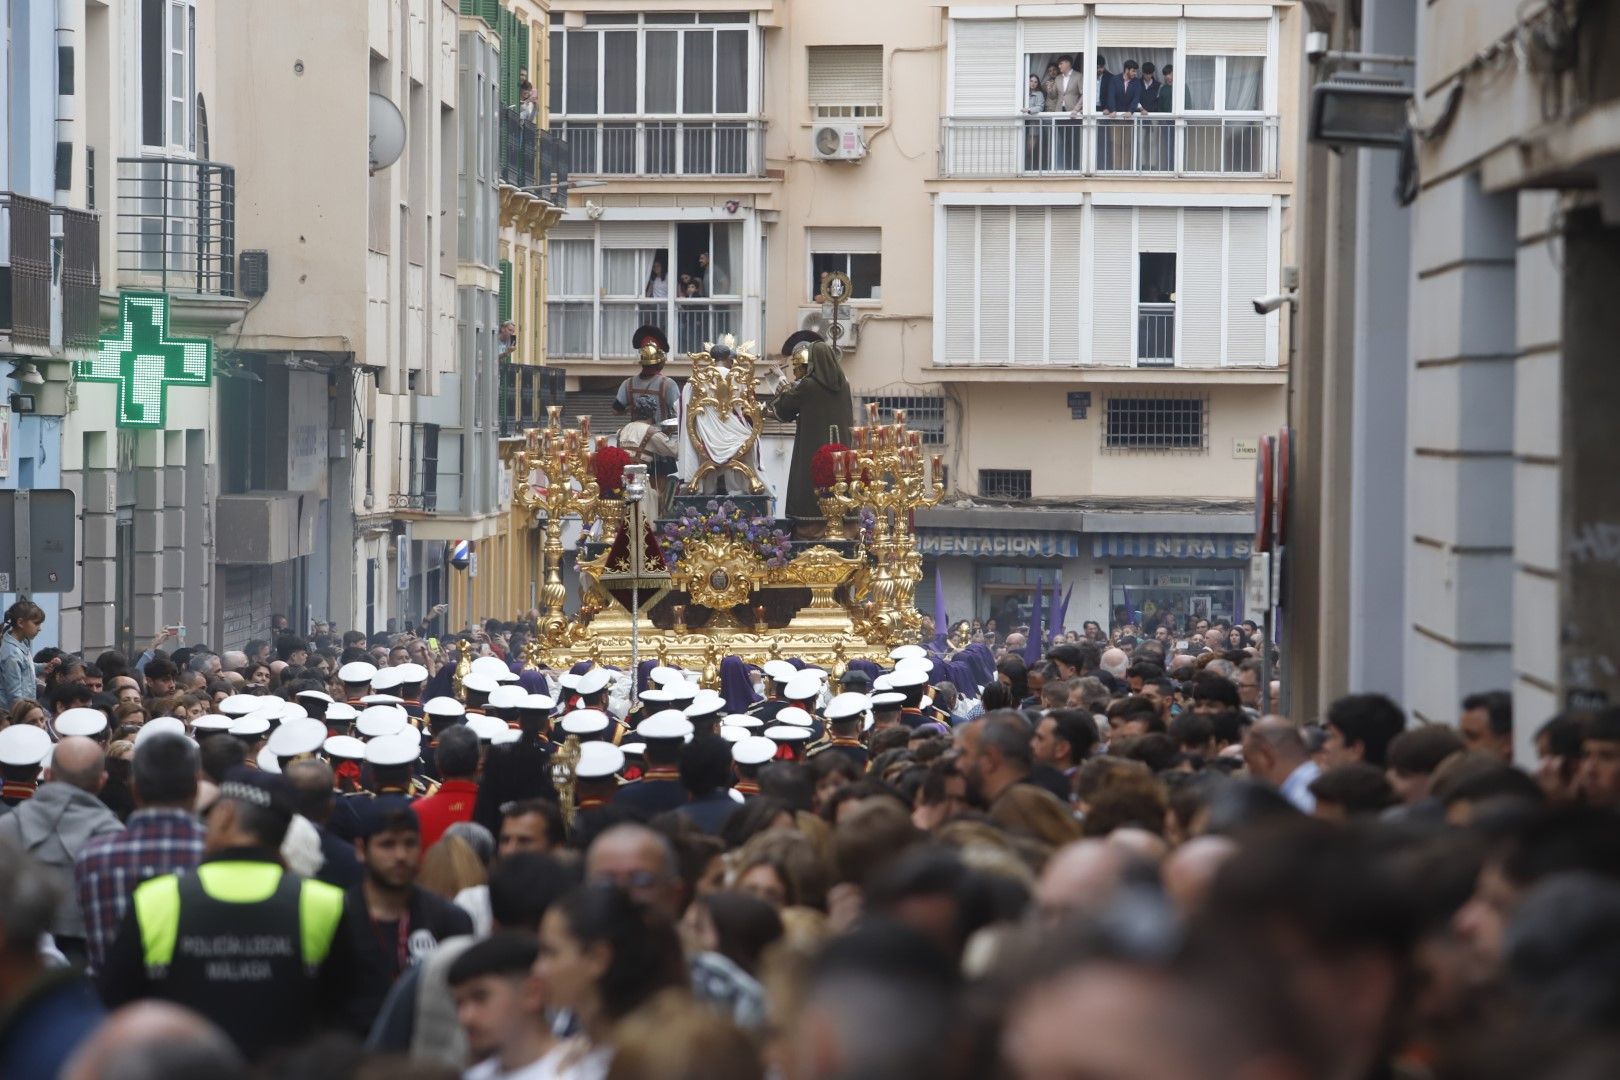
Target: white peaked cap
[598,760]
[493,666]
[779,670]
[753,750]
[803,686]
[793,716]
[507,697]
[80,722]
[357,671]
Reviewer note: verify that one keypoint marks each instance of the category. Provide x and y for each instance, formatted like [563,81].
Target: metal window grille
[923,413]
[1004,483]
[1157,423]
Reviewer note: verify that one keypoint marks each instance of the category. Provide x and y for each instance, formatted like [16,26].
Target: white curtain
[625,271]
[571,272]
[1245,76]
[1198,87]
[725,256]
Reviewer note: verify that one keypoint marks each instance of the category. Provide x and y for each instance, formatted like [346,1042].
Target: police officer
[263,953]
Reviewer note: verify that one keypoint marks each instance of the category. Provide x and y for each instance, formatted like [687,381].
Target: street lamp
[635,486]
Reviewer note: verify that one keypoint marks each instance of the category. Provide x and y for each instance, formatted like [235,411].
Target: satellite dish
[387,132]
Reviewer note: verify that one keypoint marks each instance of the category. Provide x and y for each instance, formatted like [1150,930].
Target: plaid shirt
[108,869]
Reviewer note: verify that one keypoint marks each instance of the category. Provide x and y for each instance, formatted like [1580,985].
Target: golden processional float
[718,575]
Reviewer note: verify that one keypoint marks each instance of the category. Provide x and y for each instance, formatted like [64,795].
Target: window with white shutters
[1113,276]
[984,67]
[1115,34]
[1202,286]
[846,81]
[1232,36]
[1247,257]
[1012,285]
[1221,261]
[961,284]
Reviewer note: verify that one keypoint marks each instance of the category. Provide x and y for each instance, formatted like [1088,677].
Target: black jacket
[383,952]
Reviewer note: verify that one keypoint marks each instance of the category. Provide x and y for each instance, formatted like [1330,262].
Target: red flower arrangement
[823,473]
[608,464]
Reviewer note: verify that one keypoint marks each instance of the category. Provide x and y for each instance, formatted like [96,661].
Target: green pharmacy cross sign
[144,360]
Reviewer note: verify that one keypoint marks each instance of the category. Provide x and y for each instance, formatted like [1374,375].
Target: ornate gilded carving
[727,395]
[719,572]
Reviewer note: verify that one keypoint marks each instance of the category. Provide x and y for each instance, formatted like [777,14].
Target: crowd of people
[325,855]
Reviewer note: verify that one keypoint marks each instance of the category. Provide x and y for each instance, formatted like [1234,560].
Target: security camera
[592,210]
[1316,45]
[1265,305]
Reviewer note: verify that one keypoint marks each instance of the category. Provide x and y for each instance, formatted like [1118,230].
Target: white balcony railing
[1155,335]
[1155,145]
[602,329]
[662,146]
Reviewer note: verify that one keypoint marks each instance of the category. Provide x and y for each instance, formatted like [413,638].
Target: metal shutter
[995,283]
[846,240]
[1202,273]
[985,68]
[961,282]
[1246,258]
[846,75]
[1113,273]
[1029,277]
[1156,228]
[635,234]
[1067,286]
[1055,36]
[1135,33]
[1239,37]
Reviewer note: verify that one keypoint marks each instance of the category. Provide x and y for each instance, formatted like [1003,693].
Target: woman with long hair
[19,680]
[25,711]
[602,956]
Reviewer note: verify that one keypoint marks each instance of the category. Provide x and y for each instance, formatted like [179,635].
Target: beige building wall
[997,414]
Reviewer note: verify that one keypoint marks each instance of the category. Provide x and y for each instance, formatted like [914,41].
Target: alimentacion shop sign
[143,359]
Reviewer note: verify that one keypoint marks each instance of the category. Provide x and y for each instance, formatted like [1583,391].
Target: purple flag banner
[1033,647]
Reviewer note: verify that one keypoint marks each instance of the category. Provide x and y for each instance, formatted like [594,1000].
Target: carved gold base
[826,633]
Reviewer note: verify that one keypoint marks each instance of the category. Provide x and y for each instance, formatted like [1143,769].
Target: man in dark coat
[819,400]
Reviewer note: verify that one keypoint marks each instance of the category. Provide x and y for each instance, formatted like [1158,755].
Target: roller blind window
[846,81]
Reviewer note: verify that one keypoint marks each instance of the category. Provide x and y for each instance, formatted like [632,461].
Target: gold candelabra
[884,472]
[553,473]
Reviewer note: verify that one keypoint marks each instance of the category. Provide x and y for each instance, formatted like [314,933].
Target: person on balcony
[1049,84]
[1034,105]
[1153,156]
[1068,101]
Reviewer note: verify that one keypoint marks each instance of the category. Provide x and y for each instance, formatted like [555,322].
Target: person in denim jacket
[18,676]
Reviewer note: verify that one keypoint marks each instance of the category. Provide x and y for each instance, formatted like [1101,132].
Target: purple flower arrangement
[726,520]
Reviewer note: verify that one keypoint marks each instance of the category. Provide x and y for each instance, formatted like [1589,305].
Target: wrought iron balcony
[664,146]
[177,225]
[602,329]
[533,159]
[25,279]
[416,463]
[1047,144]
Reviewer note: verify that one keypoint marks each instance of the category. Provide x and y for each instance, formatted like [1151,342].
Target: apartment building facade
[1061,300]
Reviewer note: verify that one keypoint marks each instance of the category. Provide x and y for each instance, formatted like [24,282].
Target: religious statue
[819,399]
[721,418]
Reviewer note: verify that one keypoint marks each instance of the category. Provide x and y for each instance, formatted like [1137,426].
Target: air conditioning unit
[838,142]
[819,321]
